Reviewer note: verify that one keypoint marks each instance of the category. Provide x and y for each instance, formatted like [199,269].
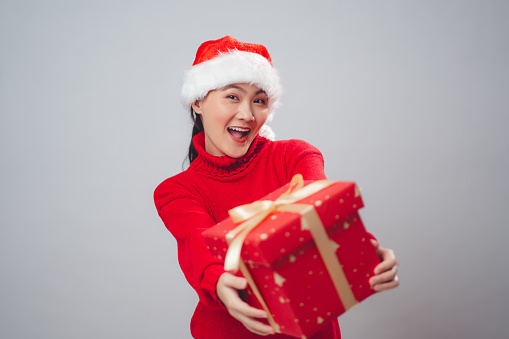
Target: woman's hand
[227,291]
[386,272]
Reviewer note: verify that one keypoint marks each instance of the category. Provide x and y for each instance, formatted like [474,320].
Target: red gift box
[307,261]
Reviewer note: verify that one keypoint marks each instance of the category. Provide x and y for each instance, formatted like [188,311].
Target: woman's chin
[238,151]
[237,155]
[239,148]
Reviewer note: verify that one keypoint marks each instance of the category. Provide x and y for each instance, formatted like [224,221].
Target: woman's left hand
[386,273]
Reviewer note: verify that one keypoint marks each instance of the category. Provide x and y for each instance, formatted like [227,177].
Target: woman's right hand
[227,289]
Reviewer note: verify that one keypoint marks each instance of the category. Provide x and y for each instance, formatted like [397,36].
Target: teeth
[239,129]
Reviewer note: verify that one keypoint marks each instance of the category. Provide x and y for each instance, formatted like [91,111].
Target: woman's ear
[197,106]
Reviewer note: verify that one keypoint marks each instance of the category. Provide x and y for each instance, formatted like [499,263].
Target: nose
[245,113]
[245,116]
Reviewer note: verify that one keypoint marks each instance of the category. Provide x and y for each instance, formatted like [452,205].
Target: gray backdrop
[407,98]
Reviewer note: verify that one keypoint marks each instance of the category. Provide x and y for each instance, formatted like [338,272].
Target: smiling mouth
[238,132]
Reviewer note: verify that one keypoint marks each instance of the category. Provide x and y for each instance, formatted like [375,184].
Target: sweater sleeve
[186,218]
[304,158]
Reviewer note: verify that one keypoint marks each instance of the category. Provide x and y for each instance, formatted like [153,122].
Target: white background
[407,98]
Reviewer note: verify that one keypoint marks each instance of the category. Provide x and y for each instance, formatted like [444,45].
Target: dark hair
[197,128]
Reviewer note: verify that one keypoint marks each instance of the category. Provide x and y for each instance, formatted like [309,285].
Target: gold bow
[251,215]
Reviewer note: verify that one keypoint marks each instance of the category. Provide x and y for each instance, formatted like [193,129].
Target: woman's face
[232,117]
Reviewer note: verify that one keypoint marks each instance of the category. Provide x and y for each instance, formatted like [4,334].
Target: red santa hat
[226,61]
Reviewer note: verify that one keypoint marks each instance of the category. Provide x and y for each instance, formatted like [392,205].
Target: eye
[232,96]
[260,101]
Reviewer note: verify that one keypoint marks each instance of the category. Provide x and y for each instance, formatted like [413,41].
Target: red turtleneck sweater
[201,196]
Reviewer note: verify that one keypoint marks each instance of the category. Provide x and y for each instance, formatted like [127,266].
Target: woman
[231,90]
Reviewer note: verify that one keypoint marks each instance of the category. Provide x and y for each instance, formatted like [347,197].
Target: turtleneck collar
[224,166]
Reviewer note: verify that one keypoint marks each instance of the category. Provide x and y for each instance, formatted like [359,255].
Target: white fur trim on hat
[230,68]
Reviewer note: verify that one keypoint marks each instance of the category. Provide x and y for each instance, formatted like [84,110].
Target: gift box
[304,251]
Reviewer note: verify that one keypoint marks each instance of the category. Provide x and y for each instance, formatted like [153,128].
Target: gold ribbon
[251,215]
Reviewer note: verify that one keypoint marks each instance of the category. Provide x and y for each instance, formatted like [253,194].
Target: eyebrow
[243,90]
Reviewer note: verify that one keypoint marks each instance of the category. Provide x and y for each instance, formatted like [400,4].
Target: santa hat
[227,61]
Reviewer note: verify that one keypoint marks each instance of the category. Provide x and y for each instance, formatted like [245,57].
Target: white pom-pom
[267,132]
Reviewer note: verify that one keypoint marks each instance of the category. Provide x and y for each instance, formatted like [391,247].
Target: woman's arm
[186,218]
[307,160]
[303,158]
